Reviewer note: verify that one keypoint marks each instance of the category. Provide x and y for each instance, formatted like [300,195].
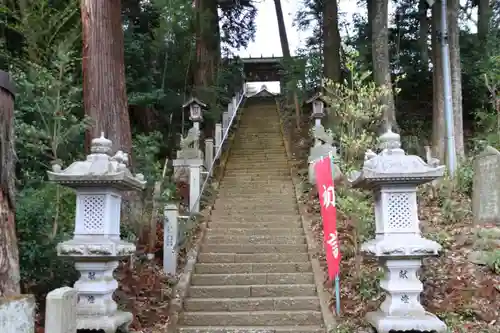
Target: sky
[267,41]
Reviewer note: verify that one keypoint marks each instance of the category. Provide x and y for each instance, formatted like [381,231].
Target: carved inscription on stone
[486,188]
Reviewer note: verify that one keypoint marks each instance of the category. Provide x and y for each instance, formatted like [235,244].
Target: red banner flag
[326,192]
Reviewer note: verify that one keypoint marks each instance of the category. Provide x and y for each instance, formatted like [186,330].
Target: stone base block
[426,322]
[109,324]
[17,314]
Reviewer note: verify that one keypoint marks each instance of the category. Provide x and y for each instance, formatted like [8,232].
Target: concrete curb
[323,294]
[180,290]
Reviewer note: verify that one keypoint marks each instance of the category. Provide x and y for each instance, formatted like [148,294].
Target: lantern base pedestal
[109,324]
[423,322]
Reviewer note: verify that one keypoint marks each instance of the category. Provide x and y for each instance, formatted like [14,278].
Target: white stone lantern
[318,108]
[196,108]
[393,177]
[96,245]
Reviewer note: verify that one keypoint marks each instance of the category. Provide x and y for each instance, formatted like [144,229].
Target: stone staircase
[253,273]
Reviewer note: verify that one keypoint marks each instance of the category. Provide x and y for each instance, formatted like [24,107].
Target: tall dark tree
[9,254]
[331,41]
[380,55]
[104,89]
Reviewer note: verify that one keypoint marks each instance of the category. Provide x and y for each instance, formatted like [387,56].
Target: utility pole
[451,154]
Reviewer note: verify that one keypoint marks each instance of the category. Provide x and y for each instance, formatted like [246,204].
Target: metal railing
[187,222]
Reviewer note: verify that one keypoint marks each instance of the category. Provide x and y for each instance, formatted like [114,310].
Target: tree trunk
[331,40]
[9,253]
[207,43]
[438,125]
[369,7]
[423,34]
[484,11]
[380,55]
[285,48]
[456,75]
[104,90]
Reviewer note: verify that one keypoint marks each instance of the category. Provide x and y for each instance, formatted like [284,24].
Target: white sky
[267,41]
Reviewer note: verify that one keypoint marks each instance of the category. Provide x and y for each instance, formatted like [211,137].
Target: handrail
[216,156]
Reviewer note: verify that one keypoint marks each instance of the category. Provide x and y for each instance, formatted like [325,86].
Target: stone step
[251,176]
[256,232]
[214,224]
[207,257]
[257,208]
[258,173]
[260,239]
[254,318]
[266,200]
[233,166]
[252,304]
[267,191]
[221,216]
[252,329]
[264,290]
[233,268]
[254,278]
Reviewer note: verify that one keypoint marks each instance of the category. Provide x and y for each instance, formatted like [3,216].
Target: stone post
[194,185]
[322,148]
[17,314]
[60,311]
[486,204]
[96,246]
[218,138]
[170,234]
[209,153]
[225,121]
[393,177]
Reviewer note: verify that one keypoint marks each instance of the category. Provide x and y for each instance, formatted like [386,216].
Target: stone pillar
[96,246]
[170,234]
[194,185]
[60,311]
[218,139]
[393,177]
[486,204]
[17,314]
[225,121]
[209,153]
[235,102]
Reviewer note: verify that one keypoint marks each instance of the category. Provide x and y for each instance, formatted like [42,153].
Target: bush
[41,269]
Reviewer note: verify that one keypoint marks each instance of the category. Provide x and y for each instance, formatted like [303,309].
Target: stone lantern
[96,246]
[393,177]
[196,108]
[318,108]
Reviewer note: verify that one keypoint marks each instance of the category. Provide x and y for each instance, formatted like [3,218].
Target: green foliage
[493,261]
[369,285]
[41,268]
[47,123]
[354,113]
[146,150]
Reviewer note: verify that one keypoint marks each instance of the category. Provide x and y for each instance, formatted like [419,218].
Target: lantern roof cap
[315,97]
[100,169]
[196,101]
[392,166]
